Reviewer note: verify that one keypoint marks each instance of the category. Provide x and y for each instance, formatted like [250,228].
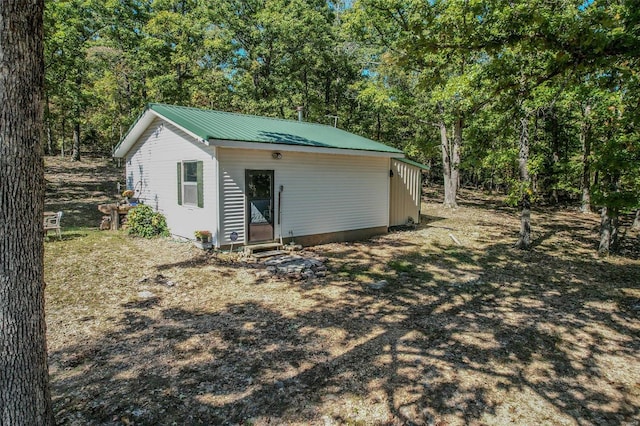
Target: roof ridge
[262,117]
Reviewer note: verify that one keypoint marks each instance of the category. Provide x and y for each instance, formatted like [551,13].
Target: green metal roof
[209,124]
[413,163]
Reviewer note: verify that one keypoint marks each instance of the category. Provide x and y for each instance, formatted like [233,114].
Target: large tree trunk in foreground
[585,138]
[608,231]
[524,242]
[451,162]
[24,389]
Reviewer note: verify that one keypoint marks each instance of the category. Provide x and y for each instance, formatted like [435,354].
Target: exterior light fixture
[158,130]
[276,156]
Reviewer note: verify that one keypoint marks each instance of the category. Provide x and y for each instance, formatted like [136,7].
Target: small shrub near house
[142,221]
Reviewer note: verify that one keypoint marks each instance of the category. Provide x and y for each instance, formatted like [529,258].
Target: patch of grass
[402,266]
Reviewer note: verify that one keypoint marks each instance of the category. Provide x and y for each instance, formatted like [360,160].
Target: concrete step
[270,253]
[253,248]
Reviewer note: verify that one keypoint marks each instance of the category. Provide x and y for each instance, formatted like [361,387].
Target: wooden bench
[52,223]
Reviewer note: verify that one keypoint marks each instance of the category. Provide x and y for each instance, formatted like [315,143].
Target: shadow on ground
[459,335]
[76,189]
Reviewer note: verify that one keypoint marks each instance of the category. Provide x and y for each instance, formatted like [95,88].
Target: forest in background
[538,99]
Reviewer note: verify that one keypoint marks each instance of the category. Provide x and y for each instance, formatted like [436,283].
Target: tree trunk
[49,139]
[450,162]
[48,126]
[555,157]
[585,139]
[24,391]
[449,197]
[75,154]
[491,180]
[524,242]
[636,221]
[608,231]
[62,138]
[455,160]
[76,142]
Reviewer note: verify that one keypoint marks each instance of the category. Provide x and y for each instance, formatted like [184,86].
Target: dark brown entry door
[259,190]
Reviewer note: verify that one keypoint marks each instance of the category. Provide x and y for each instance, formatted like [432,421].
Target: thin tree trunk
[76,142]
[64,121]
[636,221]
[491,180]
[48,126]
[24,390]
[555,157]
[49,139]
[455,160]
[608,231]
[75,155]
[524,242]
[585,139]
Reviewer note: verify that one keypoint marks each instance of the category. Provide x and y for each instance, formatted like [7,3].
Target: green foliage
[388,69]
[142,221]
[518,190]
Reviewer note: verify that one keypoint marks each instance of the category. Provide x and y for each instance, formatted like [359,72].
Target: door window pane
[259,185]
[260,211]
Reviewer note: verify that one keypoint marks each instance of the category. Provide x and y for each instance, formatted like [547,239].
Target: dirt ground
[153,332]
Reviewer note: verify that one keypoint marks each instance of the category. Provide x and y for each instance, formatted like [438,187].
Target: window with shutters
[190,191]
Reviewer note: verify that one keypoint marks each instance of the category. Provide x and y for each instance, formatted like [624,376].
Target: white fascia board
[299,148]
[140,127]
[134,133]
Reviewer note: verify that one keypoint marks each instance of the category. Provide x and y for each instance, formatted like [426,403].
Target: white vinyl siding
[151,170]
[322,193]
[405,194]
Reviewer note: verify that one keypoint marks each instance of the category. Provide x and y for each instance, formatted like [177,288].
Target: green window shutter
[200,185]
[179,184]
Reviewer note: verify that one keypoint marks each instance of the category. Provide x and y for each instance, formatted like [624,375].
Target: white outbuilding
[250,179]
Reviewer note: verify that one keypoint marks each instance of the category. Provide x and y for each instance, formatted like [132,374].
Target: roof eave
[133,134]
[138,128]
[414,163]
[271,146]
